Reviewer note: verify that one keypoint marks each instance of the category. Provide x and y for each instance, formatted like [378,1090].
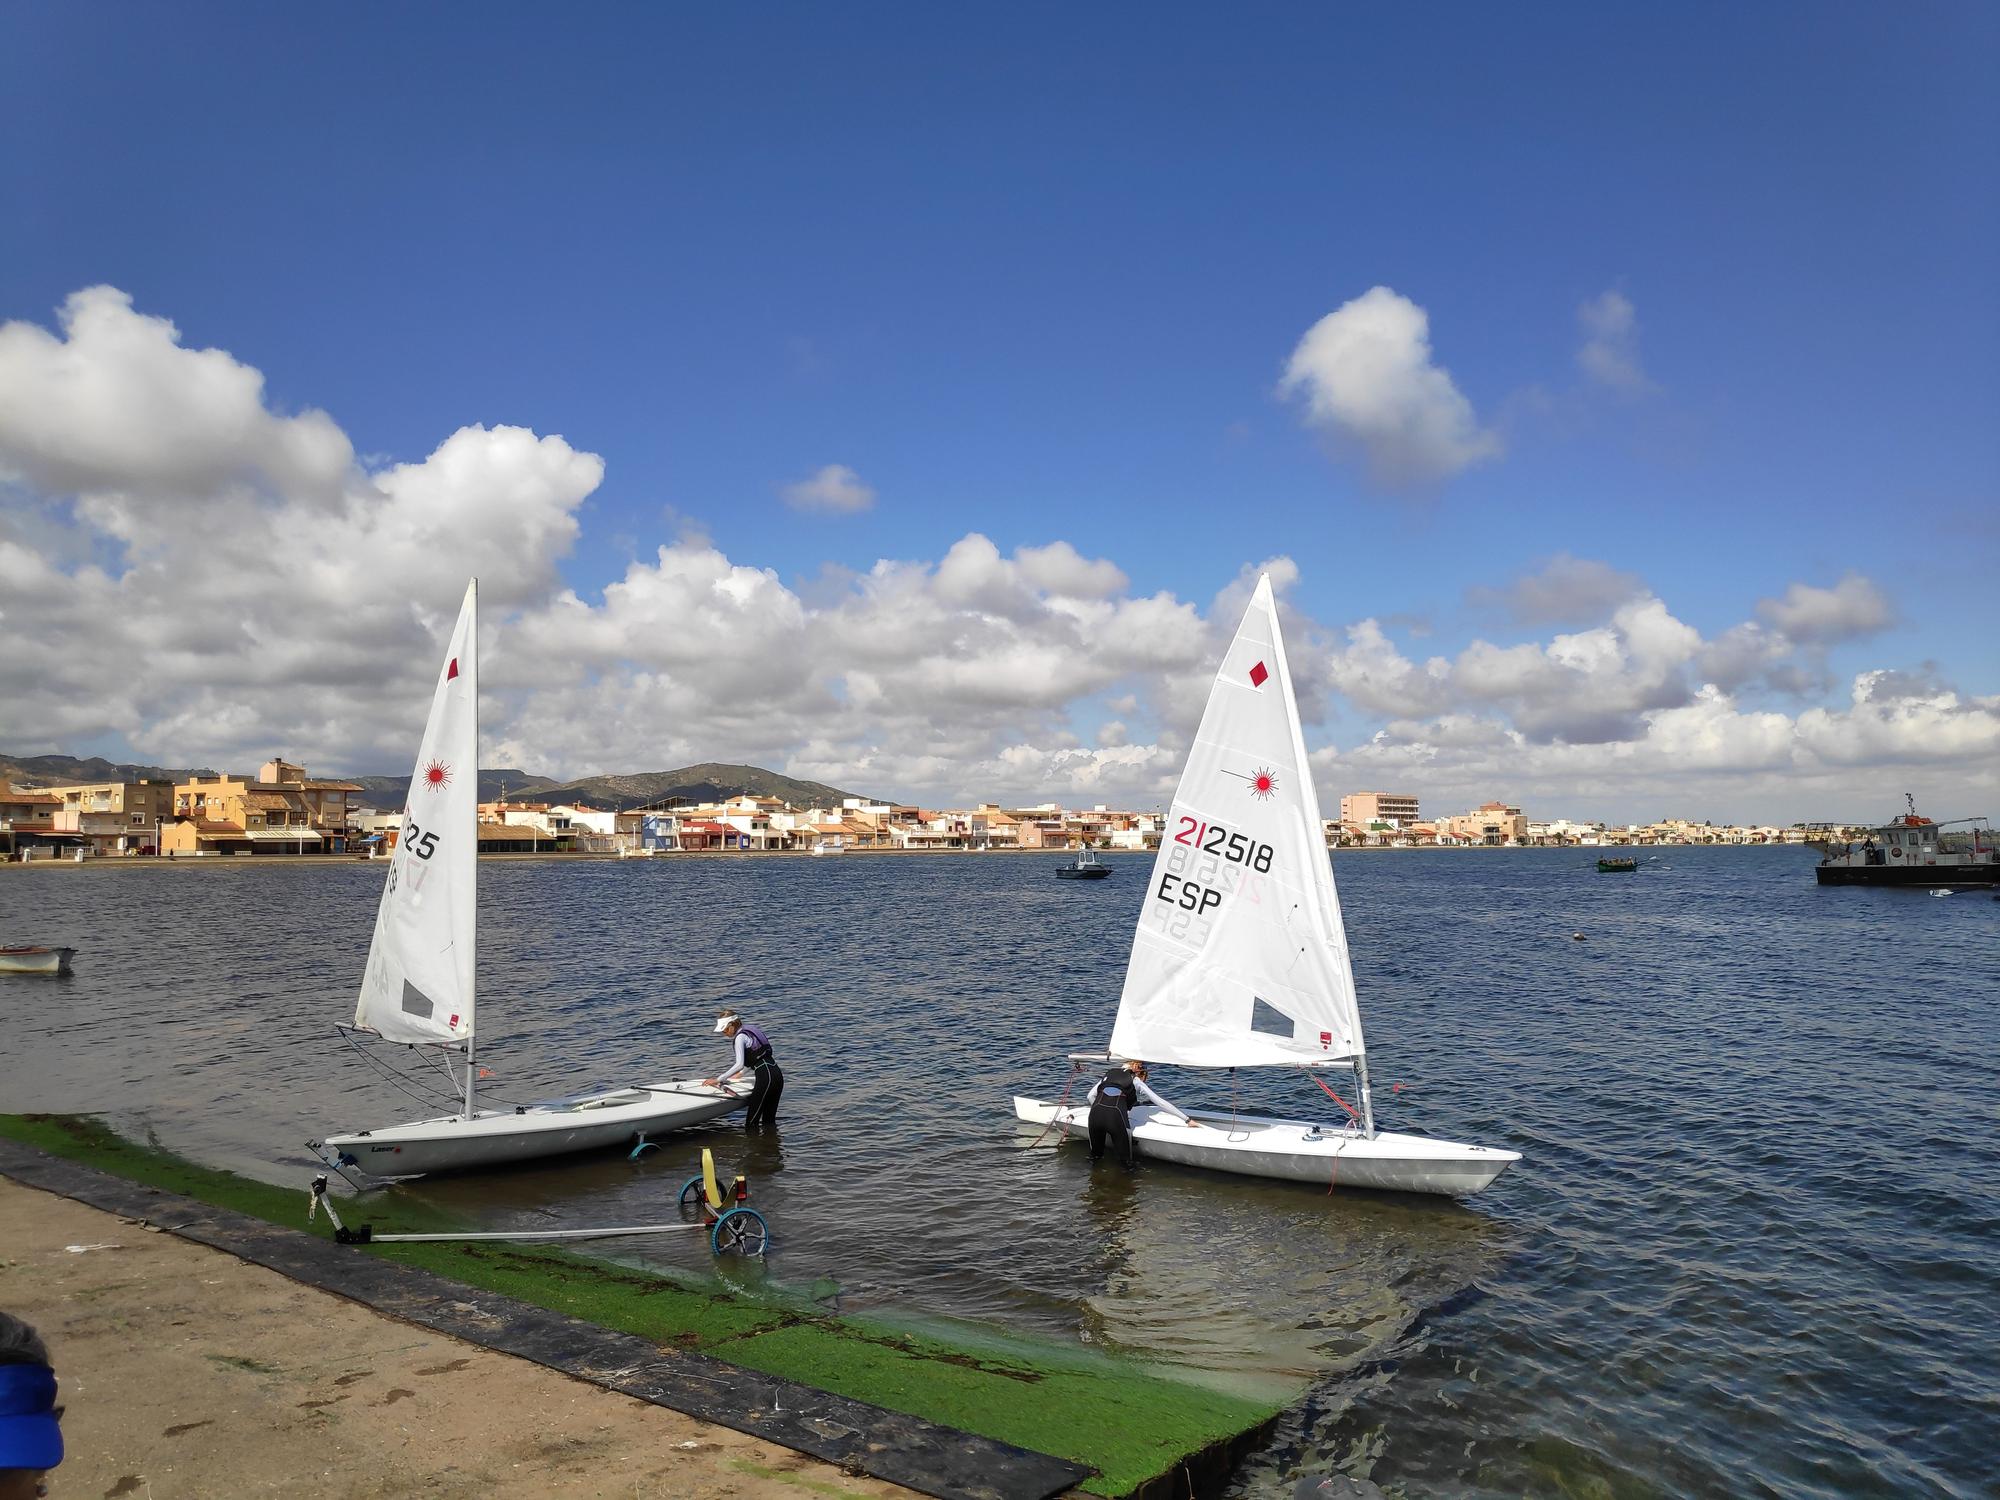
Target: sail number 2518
[1213,838]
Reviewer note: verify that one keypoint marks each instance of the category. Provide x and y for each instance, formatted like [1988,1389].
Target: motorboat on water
[1086,866]
[36,960]
[418,987]
[1914,851]
[1240,959]
[1614,864]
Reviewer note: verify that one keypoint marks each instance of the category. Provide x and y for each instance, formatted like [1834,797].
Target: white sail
[1240,958]
[418,984]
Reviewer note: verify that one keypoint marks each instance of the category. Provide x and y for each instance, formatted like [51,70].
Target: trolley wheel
[694,1200]
[741,1231]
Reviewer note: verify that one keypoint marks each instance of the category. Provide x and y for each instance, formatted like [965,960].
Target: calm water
[1752,1249]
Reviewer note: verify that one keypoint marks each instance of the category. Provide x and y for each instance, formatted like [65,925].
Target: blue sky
[1038,274]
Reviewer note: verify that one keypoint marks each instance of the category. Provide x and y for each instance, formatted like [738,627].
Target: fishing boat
[36,960]
[1617,865]
[1240,959]
[1913,850]
[417,989]
[1086,866]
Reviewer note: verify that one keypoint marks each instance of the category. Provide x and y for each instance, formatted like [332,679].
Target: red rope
[1333,1096]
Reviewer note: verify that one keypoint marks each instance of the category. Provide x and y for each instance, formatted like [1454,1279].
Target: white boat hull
[492,1138]
[35,960]
[1296,1150]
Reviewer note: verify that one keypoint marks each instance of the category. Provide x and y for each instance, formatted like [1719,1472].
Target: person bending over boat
[1111,1100]
[753,1051]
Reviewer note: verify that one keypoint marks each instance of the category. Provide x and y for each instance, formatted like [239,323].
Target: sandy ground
[187,1372]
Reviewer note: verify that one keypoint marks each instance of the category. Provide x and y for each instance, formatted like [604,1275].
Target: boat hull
[36,960]
[1098,872]
[589,1122]
[1967,876]
[1296,1150]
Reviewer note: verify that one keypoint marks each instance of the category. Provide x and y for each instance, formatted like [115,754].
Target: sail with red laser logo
[419,981]
[1240,958]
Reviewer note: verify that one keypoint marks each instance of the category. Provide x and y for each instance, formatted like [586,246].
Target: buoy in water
[1576,937]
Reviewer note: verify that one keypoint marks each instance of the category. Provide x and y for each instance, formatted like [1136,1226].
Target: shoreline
[872,1394]
[261,861]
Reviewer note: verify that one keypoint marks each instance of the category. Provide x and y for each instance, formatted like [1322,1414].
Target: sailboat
[418,986]
[1240,959]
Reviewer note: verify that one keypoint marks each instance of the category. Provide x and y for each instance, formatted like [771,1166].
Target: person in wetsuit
[753,1051]
[1111,1101]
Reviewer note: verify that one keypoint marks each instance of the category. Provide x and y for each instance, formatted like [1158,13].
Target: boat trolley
[733,1228]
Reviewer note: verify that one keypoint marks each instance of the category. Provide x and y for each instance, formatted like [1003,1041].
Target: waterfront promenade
[189,1372]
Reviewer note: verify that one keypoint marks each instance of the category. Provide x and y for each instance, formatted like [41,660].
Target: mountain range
[710,781]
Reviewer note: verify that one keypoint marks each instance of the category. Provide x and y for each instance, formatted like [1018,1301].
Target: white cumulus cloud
[1852,608]
[210,581]
[117,406]
[834,490]
[1368,379]
[1565,590]
[1610,350]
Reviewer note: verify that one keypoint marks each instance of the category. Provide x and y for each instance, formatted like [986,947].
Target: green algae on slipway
[1130,1421]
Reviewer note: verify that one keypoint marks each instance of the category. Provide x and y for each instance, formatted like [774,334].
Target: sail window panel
[1268,1019]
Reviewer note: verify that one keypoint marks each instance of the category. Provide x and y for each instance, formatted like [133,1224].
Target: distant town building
[1391,808]
[1490,823]
[282,812]
[111,817]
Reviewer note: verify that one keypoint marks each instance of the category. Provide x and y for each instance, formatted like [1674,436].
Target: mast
[472,1071]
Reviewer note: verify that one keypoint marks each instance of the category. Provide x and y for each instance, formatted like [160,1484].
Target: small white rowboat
[35,960]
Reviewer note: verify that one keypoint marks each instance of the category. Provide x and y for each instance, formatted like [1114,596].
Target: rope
[423,1094]
[1075,1071]
[1332,1095]
[415,1085]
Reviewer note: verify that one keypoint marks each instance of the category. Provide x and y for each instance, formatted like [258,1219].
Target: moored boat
[1086,866]
[1615,865]
[36,960]
[1914,851]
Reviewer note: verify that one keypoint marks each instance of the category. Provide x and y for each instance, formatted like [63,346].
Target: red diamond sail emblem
[1258,674]
[452,670]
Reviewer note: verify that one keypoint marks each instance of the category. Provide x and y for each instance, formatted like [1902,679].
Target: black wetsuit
[768,1079]
[1111,1114]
